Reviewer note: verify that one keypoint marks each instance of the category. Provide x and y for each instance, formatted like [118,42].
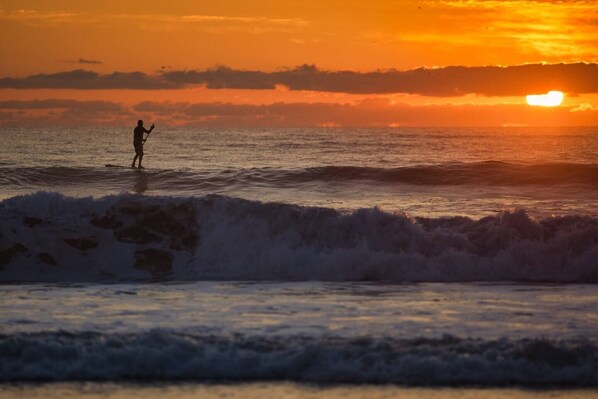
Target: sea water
[248,262]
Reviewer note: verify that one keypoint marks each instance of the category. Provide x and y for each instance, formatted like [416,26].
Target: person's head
[139,122]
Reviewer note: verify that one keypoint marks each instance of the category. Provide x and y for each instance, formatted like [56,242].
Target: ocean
[323,262]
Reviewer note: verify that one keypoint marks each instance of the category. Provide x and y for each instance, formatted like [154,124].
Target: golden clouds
[351,34]
[382,47]
[35,18]
[553,30]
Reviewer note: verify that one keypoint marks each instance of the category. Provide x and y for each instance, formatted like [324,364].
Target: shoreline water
[259,390]
[441,334]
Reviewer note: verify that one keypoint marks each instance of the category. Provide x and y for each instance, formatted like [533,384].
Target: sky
[239,63]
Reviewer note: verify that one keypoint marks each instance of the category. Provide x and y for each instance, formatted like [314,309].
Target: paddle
[148,133]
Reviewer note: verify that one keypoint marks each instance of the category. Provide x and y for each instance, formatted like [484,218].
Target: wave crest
[489,173]
[166,355]
[48,237]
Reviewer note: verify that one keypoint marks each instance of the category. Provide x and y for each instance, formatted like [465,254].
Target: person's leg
[138,154]
[140,158]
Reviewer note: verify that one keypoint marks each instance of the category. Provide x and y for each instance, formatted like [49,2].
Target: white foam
[165,355]
[251,240]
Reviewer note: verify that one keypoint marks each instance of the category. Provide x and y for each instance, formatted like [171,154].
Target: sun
[551,99]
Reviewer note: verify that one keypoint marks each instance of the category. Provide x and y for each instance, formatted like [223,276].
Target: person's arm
[151,128]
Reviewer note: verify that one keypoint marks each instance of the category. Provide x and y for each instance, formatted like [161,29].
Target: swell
[169,355]
[49,237]
[480,173]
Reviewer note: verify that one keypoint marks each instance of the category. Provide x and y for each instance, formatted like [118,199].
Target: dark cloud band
[86,61]
[368,112]
[449,81]
[87,80]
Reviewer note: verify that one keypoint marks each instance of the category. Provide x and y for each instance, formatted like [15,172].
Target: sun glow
[551,99]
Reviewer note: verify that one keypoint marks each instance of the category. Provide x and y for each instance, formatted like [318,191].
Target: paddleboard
[109,165]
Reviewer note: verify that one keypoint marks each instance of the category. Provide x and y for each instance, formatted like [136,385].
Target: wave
[51,238]
[480,173]
[170,355]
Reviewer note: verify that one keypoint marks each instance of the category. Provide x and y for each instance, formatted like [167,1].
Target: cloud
[366,113]
[482,30]
[449,81]
[35,16]
[62,112]
[95,106]
[554,29]
[244,20]
[88,80]
[211,22]
[583,107]
[83,61]
[86,61]
[41,18]
[369,112]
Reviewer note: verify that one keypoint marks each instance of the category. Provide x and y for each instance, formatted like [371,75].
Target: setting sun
[551,99]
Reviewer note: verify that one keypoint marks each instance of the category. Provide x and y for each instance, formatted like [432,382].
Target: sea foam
[49,237]
[169,355]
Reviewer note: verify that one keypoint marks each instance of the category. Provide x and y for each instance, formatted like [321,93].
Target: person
[138,141]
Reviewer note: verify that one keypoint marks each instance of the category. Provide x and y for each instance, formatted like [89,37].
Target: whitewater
[414,257]
[48,237]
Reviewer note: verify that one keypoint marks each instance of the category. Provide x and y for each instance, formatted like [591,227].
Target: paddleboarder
[138,141]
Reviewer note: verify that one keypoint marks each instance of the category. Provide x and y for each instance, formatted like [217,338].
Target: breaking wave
[51,238]
[168,355]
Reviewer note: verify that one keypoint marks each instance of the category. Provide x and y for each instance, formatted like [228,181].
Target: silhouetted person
[138,141]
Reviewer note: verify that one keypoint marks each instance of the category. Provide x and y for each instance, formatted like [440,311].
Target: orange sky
[157,37]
